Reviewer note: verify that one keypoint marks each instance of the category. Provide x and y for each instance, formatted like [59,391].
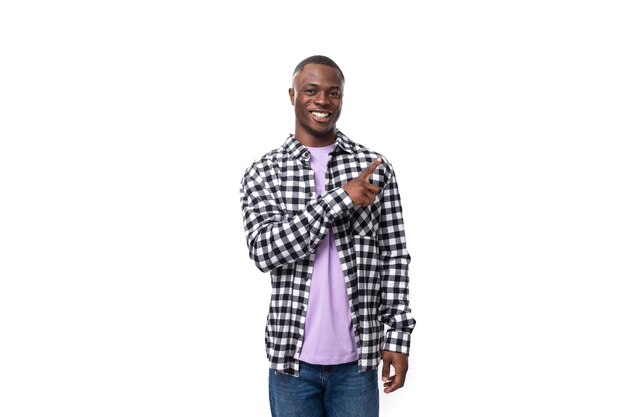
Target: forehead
[319,74]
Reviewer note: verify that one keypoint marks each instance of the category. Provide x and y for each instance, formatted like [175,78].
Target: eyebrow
[317,85]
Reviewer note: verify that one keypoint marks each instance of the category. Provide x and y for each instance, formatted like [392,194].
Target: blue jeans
[324,391]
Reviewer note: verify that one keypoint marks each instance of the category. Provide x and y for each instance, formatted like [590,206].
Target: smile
[320,115]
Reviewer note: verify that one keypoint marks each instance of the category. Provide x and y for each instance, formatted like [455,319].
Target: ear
[292,95]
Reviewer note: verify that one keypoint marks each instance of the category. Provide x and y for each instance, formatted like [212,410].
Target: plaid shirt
[284,221]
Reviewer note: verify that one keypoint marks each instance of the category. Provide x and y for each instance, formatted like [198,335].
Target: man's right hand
[361,191]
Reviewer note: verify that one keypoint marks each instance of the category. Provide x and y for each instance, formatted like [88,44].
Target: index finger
[396,381]
[391,386]
[370,170]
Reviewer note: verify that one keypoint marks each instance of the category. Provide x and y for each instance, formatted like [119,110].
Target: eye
[335,94]
[310,91]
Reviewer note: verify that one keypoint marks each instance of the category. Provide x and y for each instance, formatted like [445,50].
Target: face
[316,96]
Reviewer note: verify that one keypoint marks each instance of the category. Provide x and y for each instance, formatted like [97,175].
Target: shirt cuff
[338,201]
[396,341]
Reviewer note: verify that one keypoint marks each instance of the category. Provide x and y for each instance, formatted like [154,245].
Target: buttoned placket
[305,158]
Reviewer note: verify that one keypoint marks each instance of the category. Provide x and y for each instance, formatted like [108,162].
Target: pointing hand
[361,191]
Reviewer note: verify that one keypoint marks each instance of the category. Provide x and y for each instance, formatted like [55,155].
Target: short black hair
[318,59]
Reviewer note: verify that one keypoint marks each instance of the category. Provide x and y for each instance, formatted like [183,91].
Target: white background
[125,127]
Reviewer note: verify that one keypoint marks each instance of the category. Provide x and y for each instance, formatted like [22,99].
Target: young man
[322,214]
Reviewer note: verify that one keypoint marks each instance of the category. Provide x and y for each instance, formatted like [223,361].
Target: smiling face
[316,96]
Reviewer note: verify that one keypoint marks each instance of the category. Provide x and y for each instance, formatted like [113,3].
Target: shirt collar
[298,151]
[344,143]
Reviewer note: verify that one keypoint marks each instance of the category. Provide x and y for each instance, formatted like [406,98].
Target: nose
[321,98]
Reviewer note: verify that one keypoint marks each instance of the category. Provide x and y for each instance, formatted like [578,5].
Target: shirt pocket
[365,219]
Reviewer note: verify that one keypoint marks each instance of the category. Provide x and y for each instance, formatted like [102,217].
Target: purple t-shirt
[328,335]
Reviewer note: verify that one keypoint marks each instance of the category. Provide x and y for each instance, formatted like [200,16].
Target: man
[322,214]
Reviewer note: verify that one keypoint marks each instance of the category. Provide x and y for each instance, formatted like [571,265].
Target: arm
[275,239]
[393,266]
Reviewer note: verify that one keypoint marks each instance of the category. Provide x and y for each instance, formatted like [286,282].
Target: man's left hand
[400,363]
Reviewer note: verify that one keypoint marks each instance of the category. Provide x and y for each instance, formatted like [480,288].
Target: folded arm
[276,239]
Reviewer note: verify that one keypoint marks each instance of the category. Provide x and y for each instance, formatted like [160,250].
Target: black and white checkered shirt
[284,221]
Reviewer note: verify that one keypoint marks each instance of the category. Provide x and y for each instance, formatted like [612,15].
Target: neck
[307,139]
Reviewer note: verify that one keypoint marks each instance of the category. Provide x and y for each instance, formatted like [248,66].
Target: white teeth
[320,115]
